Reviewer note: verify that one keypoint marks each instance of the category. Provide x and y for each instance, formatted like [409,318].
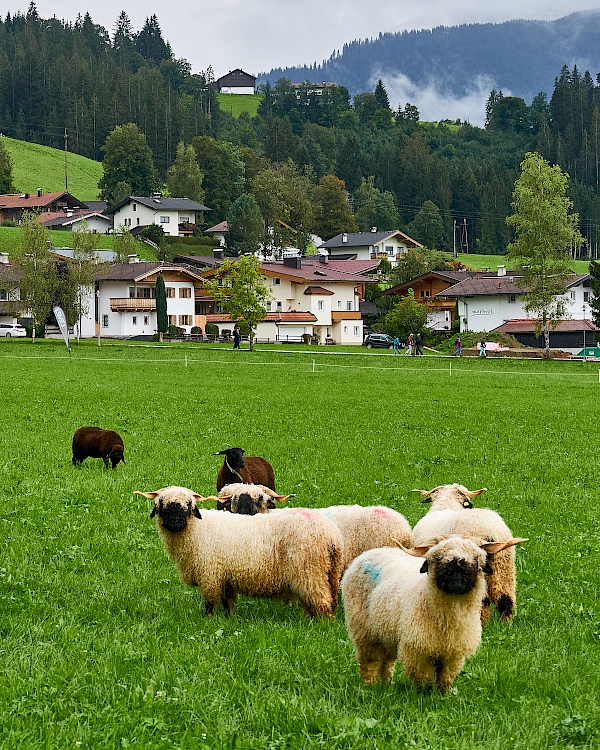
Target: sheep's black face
[235,458]
[116,457]
[457,576]
[175,516]
[244,505]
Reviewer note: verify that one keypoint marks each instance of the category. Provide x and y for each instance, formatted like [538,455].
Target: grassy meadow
[102,646]
[235,104]
[36,166]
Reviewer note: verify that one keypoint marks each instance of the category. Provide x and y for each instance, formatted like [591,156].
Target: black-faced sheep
[362,527]
[425,613]
[250,470]
[296,554]
[452,512]
[97,443]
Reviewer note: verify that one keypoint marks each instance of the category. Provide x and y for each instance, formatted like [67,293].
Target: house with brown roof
[369,245]
[12,207]
[236,82]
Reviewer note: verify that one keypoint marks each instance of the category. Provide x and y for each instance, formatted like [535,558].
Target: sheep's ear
[419,551]
[202,499]
[487,568]
[470,493]
[196,512]
[424,567]
[149,495]
[273,494]
[492,548]
[466,503]
[153,512]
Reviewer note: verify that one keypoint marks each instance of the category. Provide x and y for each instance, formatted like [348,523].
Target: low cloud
[434,102]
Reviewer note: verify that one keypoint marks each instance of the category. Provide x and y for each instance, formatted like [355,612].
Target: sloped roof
[366,239]
[102,256]
[452,277]
[272,317]
[318,290]
[348,266]
[222,226]
[527,325]
[61,218]
[237,77]
[141,270]
[159,203]
[484,285]
[33,200]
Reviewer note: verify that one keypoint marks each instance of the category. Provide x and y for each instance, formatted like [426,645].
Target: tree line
[313,159]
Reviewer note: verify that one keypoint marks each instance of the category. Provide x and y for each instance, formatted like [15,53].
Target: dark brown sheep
[249,470]
[97,443]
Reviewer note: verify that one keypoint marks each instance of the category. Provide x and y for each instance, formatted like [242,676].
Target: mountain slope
[520,57]
[36,166]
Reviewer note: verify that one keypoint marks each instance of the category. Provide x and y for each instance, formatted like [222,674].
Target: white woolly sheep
[362,527]
[251,470]
[430,622]
[452,512]
[296,554]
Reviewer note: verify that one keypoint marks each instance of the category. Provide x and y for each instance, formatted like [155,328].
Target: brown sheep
[97,443]
[249,470]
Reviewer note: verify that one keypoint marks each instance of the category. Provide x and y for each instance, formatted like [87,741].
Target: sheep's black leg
[209,608]
[228,599]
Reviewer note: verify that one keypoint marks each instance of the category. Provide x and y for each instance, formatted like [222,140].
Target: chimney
[373,229]
[39,192]
[344,237]
[218,254]
[293,262]
[323,258]
[501,270]
[4,258]
[133,258]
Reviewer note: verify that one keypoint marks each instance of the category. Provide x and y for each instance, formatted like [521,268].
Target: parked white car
[12,329]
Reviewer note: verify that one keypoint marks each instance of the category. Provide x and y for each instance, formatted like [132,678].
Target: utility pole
[66,169]
[454,251]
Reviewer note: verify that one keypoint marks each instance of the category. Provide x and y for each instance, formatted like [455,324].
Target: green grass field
[235,104]
[36,166]
[103,646]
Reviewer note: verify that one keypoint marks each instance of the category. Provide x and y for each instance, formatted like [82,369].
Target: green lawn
[36,166]
[104,647]
[491,262]
[235,104]
[10,238]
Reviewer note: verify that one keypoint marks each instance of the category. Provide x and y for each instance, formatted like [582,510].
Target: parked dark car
[381,340]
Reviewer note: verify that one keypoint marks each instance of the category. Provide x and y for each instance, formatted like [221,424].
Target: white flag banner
[62,324]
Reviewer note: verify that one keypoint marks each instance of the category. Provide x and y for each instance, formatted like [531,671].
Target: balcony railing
[132,304]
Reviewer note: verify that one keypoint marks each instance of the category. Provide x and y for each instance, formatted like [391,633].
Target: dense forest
[309,153]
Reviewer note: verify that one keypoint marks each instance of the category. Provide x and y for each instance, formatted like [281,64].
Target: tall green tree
[245,294]
[428,226]
[244,225]
[333,213]
[545,233]
[184,179]
[595,300]
[6,177]
[162,320]
[127,159]
[407,316]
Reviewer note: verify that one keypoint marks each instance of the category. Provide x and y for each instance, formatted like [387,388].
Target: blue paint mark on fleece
[373,571]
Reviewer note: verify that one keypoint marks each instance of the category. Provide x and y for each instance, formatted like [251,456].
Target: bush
[212,329]
[175,331]
[226,333]
[196,331]
[306,338]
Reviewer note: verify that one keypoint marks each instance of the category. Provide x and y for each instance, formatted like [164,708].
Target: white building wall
[236,90]
[94,224]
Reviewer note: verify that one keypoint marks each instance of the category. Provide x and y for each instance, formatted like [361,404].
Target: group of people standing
[414,345]
[458,349]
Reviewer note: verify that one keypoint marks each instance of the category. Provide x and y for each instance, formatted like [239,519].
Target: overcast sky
[257,35]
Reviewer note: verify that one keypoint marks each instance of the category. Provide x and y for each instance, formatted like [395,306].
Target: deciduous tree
[127,159]
[244,225]
[184,179]
[546,231]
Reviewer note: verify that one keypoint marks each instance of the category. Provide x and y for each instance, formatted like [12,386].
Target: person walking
[396,345]
[409,344]
[482,351]
[237,337]
[458,350]
[418,345]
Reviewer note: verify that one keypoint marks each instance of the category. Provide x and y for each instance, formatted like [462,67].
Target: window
[389,249]
[269,306]
[131,292]
[512,297]
[146,320]
[184,219]
[184,320]
[105,321]
[185,292]
[170,292]
[320,305]
[3,294]
[134,320]
[348,305]
[586,296]
[422,294]
[357,330]
[278,306]
[164,219]
[345,329]
[138,221]
[572,294]
[172,320]
[276,282]
[134,207]
[339,304]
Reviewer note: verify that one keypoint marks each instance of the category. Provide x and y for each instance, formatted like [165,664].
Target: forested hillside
[519,56]
[314,161]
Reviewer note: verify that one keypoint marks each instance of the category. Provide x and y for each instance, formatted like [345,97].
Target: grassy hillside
[235,104]
[36,166]
[10,238]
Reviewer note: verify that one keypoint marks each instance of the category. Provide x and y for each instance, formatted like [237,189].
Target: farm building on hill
[12,207]
[236,82]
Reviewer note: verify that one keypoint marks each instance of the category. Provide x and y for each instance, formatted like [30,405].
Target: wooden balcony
[345,315]
[132,304]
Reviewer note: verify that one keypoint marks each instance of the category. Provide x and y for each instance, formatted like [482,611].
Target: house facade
[12,207]
[236,82]
[75,221]
[369,246]
[174,215]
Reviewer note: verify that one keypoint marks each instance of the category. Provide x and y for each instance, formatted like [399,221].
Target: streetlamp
[99,316]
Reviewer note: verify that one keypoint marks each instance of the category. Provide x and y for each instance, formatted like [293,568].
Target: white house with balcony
[174,215]
[371,245]
[309,296]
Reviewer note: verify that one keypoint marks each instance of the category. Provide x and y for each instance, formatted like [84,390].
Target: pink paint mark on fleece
[380,512]
[303,512]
